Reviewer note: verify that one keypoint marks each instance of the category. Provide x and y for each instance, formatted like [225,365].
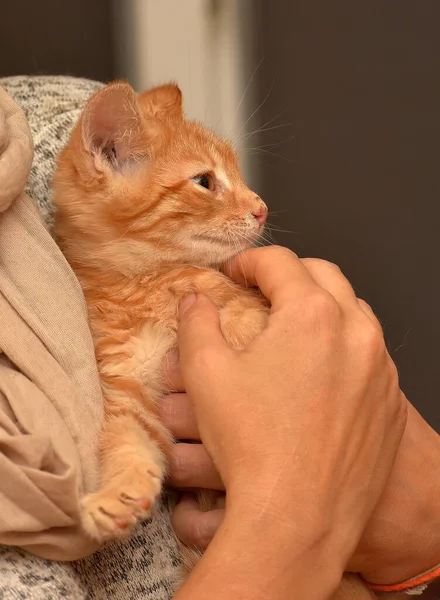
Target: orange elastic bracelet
[413,586]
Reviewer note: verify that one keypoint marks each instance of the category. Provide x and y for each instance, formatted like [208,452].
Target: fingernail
[187,303]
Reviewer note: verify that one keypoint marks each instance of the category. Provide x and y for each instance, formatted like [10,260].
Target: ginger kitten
[149,206]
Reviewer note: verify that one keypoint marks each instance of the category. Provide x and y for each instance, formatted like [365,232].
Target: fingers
[191,467]
[369,312]
[172,372]
[330,277]
[176,413]
[277,271]
[282,276]
[198,334]
[193,527]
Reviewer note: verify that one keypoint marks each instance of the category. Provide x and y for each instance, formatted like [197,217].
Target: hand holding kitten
[400,538]
[304,423]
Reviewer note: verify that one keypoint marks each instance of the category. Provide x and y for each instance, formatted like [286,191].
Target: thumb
[199,333]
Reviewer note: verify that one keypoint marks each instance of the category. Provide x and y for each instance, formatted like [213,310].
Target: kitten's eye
[205,180]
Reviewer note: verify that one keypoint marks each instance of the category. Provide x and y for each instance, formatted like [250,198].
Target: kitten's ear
[161,102]
[113,127]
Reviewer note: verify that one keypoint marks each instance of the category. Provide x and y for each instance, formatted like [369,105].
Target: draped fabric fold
[50,398]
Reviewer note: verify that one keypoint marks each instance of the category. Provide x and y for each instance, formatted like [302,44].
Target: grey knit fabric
[24,577]
[52,106]
[145,565]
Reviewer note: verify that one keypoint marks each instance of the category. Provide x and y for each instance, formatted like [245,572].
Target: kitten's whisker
[243,263]
[268,152]
[266,124]
[238,250]
[241,260]
[248,86]
[276,213]
[268,238]
[257,109]
[271,227]
[273,145]
[261,130]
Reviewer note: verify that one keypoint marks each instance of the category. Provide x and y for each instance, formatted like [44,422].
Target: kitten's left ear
[113,128]
[162,102]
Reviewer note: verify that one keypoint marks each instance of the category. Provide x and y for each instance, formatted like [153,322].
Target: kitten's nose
[261,215]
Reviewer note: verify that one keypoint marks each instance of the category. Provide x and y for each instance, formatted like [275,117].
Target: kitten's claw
[112,513]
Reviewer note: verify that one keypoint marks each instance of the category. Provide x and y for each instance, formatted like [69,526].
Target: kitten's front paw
[112,513]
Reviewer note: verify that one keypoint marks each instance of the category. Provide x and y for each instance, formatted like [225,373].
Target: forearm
[260,560]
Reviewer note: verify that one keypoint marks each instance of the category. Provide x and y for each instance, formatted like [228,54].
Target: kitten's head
[138,185]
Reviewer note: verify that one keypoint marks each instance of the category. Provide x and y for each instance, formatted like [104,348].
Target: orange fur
[141,234]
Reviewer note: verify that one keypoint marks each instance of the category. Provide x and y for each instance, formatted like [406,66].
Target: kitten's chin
[215,249]
[218,259]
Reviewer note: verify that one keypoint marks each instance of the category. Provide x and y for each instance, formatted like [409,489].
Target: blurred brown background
[361,85]
[351,166]
[71,37]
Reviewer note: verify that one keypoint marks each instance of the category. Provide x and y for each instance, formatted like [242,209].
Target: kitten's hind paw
[112,513]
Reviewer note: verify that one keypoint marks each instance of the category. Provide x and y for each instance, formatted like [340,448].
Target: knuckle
[321,264]
[394,375]
[311,263]
[402,412]
[368,342]
[369,311]
[372,339]
[396,401]
[330,267]
[394,384]
[364,305]
[322,308]
[277,251]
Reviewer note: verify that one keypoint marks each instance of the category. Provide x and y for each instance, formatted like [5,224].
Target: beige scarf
[50,400]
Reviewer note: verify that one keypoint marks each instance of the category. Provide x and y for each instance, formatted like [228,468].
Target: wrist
[258,555]
[311,517]
[403,536]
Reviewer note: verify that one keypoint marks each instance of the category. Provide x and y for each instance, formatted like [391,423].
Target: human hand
[338,400]
[401,538]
